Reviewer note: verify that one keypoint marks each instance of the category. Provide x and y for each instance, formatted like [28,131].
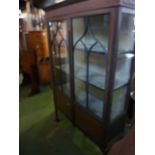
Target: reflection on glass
[58,1]
[123,68]
[89,30]
[126,35]
[95,97]
[97,70]
[118,101]
[58,37]
[90,42]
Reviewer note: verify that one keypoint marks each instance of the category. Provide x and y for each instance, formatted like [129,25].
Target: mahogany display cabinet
[91,46]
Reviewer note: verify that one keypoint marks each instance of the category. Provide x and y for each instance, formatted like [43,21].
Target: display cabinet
[91,46]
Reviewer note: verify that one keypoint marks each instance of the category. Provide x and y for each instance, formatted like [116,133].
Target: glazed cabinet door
[60,54]
[90,48]
[61,63]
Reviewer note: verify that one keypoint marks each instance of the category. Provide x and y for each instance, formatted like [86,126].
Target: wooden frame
[102,132]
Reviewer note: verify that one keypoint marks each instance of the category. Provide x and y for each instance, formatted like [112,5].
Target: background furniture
[28,67]
[92,53]
[45,71]
[38,42]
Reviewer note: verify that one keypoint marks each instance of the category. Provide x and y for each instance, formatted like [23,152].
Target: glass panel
[95,100]
[126,33]
[91,30]
[118,101]
[90,42]
[58,36]
[123,66]
[97,65]
[95,97]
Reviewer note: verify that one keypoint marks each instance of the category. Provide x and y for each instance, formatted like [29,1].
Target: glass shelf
[92,89]
[95,105]
[95,78]
[97,74]
[95,69]
[98,49]
[95,97]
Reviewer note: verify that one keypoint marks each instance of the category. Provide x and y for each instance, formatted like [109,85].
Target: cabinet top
[66,8]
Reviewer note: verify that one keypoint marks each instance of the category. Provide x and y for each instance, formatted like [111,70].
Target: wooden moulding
[87,6]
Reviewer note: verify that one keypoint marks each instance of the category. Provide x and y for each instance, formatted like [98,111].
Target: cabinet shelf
[96,78]
[95,104]
[97,50]
[121,53]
